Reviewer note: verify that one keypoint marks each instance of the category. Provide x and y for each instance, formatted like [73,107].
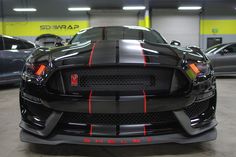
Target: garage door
[177,25]
[113,18]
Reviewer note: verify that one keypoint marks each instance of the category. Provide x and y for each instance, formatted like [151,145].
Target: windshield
[117,33]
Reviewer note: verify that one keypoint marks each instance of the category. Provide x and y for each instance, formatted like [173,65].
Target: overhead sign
[59,27]
[36,28]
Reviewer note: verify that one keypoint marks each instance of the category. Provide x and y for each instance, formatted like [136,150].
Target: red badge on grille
[74,80]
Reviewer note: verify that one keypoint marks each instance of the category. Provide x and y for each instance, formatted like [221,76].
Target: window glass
[1,43]
[231,48]
[114,33]
[153,37]
[90,34]
[118,33]
[213,49]
[28,45]
[132,34]
[13,44]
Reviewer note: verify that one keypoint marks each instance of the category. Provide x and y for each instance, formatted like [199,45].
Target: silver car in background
[223,58]
[13,53]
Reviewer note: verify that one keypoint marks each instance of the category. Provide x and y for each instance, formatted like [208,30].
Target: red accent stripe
[91,55]
[90,111]
[144,57]
[144,130]
[144,110]
[91,130]
[144,102]
[90,102]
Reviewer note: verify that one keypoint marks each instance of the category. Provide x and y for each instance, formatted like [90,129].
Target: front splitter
[124,141]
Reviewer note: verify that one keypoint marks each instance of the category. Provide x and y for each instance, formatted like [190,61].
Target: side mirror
[175,43]
[59,44]
[68,41]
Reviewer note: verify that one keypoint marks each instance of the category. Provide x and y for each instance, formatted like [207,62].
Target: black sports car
[118,86]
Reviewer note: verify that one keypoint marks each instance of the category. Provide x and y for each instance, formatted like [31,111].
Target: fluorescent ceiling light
[134,7]
[25,9]
[80,9]
[189,8]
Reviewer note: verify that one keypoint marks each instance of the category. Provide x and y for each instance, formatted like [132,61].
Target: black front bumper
[118,119]
[43,125]
[105,141]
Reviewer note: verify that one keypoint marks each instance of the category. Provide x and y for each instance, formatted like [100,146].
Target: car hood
[120,52]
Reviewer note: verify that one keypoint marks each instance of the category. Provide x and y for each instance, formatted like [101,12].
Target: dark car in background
[223,58]
[117,86]
[48,40]
[13,53]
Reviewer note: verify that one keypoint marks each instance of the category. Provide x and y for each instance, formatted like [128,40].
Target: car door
[1,58]
[12,57]
[225,59]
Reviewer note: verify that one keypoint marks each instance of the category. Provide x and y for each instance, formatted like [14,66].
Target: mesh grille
[118,119]
[197,108]
[100,81]
[112,79]
[128,80]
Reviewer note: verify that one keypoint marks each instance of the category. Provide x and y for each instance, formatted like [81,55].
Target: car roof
[224,44]
[129,27]
[16,38]
[48,36]
[6,36]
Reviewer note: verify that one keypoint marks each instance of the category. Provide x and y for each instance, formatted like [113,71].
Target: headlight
[35,69]
[200,69]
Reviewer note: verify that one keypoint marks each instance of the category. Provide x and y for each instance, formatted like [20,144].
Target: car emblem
[74,80]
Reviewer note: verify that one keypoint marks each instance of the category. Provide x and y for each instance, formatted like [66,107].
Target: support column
[144,16]
[147,19]
[2,17]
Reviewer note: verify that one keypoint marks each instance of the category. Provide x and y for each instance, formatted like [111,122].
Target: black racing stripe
[130,52]
[103,33]
[104,53]
[117,52]
[108,130]
[121,106]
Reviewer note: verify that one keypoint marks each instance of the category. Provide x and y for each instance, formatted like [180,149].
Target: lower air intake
[118,119]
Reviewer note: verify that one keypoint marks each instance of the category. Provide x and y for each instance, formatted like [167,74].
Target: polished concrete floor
[224,146]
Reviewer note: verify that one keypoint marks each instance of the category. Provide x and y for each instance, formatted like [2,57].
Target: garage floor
[225,145]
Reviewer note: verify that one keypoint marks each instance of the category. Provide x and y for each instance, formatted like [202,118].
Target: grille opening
[118,119]
[33,113]
[157,123]
[122,79]
[197,109]
[154,129]
[99,81]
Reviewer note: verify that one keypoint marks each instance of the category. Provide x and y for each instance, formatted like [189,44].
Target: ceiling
[58,8]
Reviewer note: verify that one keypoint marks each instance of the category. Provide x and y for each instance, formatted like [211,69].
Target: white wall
[177,25]
[113,18]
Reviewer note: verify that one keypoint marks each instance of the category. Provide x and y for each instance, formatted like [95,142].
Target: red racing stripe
[90,102]
[144,102]
[90,111]
[91,55]
[144,110]
[91,130]
[144,130]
